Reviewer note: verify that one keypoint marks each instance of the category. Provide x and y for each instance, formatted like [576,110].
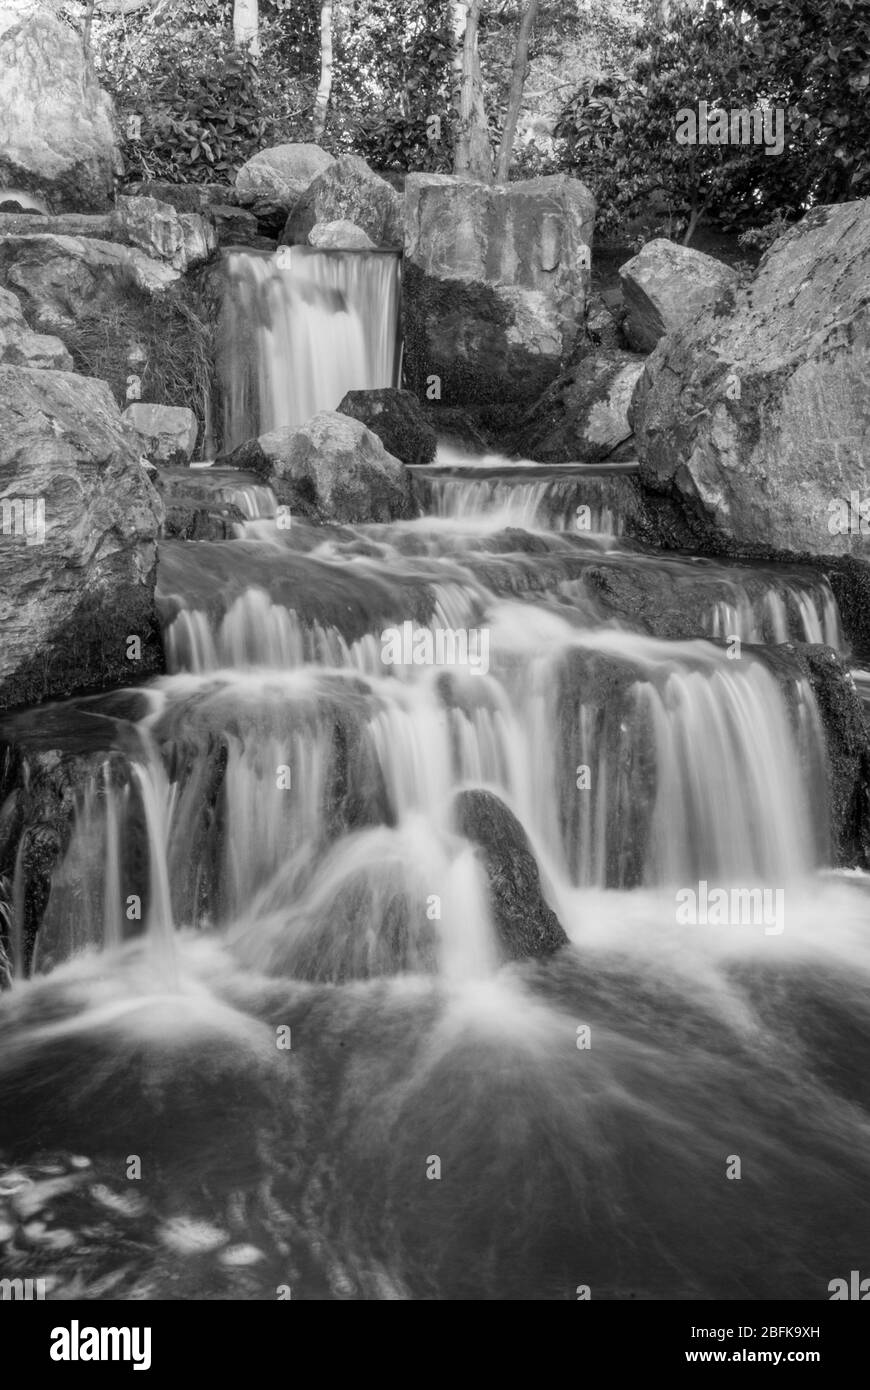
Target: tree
[817,54]
[515,99]
[472,153]
[246,25]
[321,101]
[622,129]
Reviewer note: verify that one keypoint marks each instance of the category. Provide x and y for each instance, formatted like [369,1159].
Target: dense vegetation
[605,81]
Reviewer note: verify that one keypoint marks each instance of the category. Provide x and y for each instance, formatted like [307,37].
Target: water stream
[274,970]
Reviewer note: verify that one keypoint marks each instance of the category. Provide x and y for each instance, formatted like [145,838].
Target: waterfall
[285,951]
[300,328]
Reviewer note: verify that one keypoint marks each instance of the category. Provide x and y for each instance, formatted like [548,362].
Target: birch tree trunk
[472,156]
[515,99]
[246,25]
[321,101]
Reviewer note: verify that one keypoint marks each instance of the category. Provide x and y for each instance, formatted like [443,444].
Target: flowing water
[274,971]
[299,330]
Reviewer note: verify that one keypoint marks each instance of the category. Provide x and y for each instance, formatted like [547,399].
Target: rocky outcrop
[58,137]
[22,348]
[77,542]
[584,414]
[397,418]
[167,433]
[348,191]
[272,181]
[341,235]
[57,278]
[526,924]
[494,287]
[752,425]
[183,239]
[665,286]
[332,469]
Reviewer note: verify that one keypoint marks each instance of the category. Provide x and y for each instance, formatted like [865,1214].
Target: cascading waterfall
[272,961]
[299,329]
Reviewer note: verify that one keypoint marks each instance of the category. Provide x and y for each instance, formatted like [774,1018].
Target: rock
[184,240]
[58,137]
[603,323]
[397,418]
[22,348]
[458,429]
[526,924]
[235,226]
[58,277]
[77,548]
[98,224]
[494,285]
[332,469]
[167,432]
[666,286]
[348,191]
[584,414]
[272,180]
[184,197]
[199,239]
[753,424]
[341,235]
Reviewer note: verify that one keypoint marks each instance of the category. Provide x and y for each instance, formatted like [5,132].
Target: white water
[301,328]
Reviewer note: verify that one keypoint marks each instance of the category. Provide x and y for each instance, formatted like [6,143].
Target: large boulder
[665,286]
[332,469]
[753,425]
[272,180]
[526,924]
[167,433]
[397,418]
[58,278]
[494,287]
[583,415]
[348,191]
[57,137]
[183,239]
[77,541]
[341,235]
[22,348]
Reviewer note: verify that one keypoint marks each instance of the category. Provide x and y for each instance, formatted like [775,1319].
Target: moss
[175,331]
[457,330]
[89,652]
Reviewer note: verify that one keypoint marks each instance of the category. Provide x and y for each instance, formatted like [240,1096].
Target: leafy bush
[621,128]
[202,106]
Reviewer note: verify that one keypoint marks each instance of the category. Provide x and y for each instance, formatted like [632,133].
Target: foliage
[204,107]
[817,52]
[760,238]
[392,76]
[620,128]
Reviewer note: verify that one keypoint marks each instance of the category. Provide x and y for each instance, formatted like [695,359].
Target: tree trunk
[472,156]
[321,101]
[246,25]
[515,100]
